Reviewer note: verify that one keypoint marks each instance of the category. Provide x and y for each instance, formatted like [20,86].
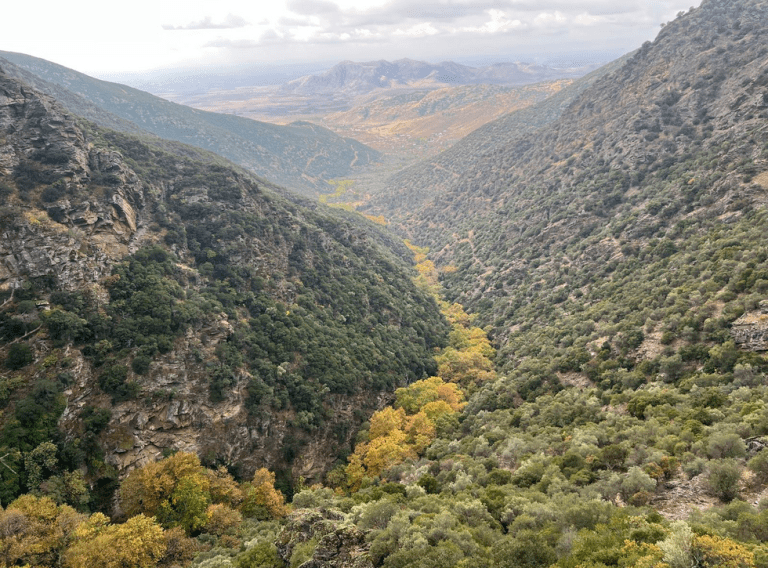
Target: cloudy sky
[107,38]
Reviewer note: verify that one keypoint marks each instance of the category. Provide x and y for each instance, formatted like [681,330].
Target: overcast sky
[107,38]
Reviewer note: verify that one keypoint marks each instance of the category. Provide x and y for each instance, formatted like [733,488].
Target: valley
[427,325]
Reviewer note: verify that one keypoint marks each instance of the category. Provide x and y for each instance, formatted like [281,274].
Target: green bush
[262,555]
[726,445]
[759,466]
[113,380]
[723,479]
[19,355]
[140,364]
[636,481]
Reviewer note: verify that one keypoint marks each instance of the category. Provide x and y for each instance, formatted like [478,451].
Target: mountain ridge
[317,153]
[653,136]
[351,78]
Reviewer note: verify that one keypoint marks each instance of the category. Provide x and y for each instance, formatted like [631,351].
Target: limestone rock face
[94,217]
[750,331]
[71,211]
[341,544]
[100,215]
[175,414]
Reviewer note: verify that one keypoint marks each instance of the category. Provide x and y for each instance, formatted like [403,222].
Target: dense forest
[202,372]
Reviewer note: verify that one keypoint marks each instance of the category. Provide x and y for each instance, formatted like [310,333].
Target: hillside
[378,101]
[640,156]
[186,306]
[618,258]
[601,402]
[432,121]
[409,188]
[301,156]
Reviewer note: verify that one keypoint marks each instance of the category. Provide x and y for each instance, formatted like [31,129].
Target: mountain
[301,156]
[638,213]
[349,78]
[402,194]
[180,303]
[434,119]
[615,251]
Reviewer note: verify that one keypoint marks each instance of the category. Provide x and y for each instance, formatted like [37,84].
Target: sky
[109,38]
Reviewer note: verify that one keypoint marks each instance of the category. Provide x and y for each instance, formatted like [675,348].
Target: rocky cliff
[197,309]
[69,232]
[751,330]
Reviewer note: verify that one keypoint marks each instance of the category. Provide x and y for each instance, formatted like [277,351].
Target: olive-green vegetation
[561,480]
[604,260]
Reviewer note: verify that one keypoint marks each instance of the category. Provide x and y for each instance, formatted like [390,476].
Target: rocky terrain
[85,212]
[601,402]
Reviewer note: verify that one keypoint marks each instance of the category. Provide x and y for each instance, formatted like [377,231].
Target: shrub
[726,445]
[19,355]
[114,380]
[140,364]
[723,479]
[759,466]
[636,481]
[263,555]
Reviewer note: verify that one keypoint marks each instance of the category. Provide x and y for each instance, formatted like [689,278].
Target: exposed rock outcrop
[340,544]
[750,331]
[265,278]
[92,215]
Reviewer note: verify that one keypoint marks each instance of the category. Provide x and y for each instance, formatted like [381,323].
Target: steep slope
[660,153]
[181,304]
[300,156]
[406,191]
[620,257]
[437,118]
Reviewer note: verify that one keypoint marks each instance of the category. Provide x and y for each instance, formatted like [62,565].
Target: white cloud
[229,22]
[419,30]
[92,35]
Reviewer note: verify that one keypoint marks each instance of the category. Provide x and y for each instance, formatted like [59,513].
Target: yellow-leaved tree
[262,500]
[175,490]
[414,397]
[712,551]
[398,434]
[139,542]
[429,406]
[34,531]
[148,487]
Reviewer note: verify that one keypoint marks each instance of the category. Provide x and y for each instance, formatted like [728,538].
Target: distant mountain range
[300,156]
[352,79]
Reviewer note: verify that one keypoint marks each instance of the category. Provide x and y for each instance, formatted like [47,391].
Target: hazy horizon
[109,41]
